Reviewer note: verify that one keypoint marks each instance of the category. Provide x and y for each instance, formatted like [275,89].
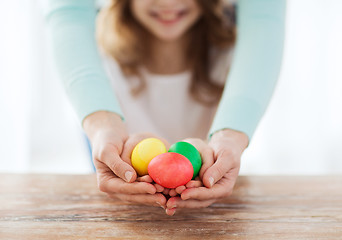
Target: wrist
[103,120]
[238,137]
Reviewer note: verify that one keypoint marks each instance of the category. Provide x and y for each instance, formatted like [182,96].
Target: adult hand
[221,165]
[107,134]
[129,145]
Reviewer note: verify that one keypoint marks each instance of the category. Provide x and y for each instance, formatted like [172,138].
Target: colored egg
[144,152]
[191,153]
[170,170]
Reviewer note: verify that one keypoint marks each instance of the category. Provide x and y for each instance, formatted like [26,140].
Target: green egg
[191,153]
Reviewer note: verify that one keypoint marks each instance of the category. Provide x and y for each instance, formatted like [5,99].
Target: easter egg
[191,153]
[170,170]
[144,152]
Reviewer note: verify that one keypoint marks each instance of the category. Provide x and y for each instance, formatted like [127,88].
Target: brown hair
[121,37]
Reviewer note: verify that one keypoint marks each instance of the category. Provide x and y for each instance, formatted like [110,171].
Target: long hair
[121,36]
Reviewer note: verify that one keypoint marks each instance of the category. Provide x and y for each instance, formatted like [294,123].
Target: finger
[129,145]
[172,193]
[154,200]
[166,143]
[224,163]
[121,169]
[177,202]
[145,178]
[158,187]
[194,184]
[207,159]
[133,140]
[221,189]
[180,189]
[172,202]
[170,212]
[116,185]
[207,154]
[166,191]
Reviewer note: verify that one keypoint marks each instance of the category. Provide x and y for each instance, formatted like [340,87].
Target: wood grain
[261,207]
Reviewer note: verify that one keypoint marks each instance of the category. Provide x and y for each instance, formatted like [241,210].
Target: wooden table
[71,207]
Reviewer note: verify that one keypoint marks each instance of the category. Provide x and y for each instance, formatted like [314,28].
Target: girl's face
[167,20]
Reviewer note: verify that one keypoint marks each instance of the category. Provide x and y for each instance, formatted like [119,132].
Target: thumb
[213,174]
[120,168]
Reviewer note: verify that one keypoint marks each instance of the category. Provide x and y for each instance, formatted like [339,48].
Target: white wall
[301,132]
[40,132]
[15,88]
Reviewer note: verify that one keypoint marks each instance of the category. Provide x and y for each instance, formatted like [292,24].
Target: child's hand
[218,179]
[107,133]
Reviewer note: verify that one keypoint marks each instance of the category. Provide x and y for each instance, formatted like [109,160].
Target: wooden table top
[261,207]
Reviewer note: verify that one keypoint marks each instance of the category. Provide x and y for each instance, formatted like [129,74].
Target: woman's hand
[129,145]
[107,134]
[221,165]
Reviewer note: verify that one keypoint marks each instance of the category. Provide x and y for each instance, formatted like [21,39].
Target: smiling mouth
[169,17]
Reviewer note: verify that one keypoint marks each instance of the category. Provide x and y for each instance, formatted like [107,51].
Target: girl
[167,61]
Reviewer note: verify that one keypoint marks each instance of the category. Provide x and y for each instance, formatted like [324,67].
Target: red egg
[170,170]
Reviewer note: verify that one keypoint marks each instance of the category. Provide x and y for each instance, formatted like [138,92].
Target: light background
[301,132]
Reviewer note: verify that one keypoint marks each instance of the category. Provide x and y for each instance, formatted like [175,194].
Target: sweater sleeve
[71,32]
[255,68]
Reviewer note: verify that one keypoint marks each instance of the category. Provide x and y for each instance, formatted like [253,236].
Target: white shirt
[164,107]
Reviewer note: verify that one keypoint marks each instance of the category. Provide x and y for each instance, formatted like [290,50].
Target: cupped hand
[129,145]
[116,177]
[221,165]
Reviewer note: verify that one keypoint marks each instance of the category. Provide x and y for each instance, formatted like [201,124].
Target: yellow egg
[144,152]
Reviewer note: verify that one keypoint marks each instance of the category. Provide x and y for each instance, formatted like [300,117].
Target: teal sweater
[250,83]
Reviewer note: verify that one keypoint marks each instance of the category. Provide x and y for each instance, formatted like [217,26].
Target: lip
[179,15]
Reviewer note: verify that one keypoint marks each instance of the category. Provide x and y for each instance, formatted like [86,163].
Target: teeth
[168,16]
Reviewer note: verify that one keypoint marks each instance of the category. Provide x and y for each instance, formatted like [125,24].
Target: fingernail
[184,197]
[161,205]
[173,213]
[211,181]
[170,212]
[128,176]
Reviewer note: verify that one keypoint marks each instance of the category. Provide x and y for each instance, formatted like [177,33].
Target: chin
[169,36]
